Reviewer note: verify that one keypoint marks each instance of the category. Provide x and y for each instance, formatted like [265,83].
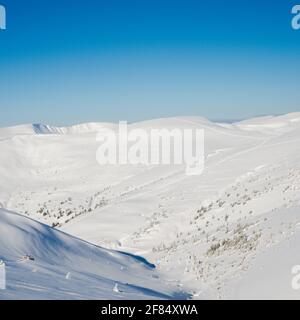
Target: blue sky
[65,62]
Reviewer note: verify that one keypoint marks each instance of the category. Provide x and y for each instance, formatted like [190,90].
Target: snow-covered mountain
[34,129]
[224,234]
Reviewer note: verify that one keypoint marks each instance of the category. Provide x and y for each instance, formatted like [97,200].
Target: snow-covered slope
[212,232]
[34,129]
[67,268]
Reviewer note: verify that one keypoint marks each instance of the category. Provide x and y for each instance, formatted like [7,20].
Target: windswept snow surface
[64,267]
[232,232]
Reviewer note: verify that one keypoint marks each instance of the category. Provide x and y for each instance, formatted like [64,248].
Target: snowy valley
[151,232]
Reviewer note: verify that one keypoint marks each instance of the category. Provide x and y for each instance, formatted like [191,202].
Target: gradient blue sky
[65,62]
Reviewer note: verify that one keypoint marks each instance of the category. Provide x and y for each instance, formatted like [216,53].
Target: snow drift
[43,263]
